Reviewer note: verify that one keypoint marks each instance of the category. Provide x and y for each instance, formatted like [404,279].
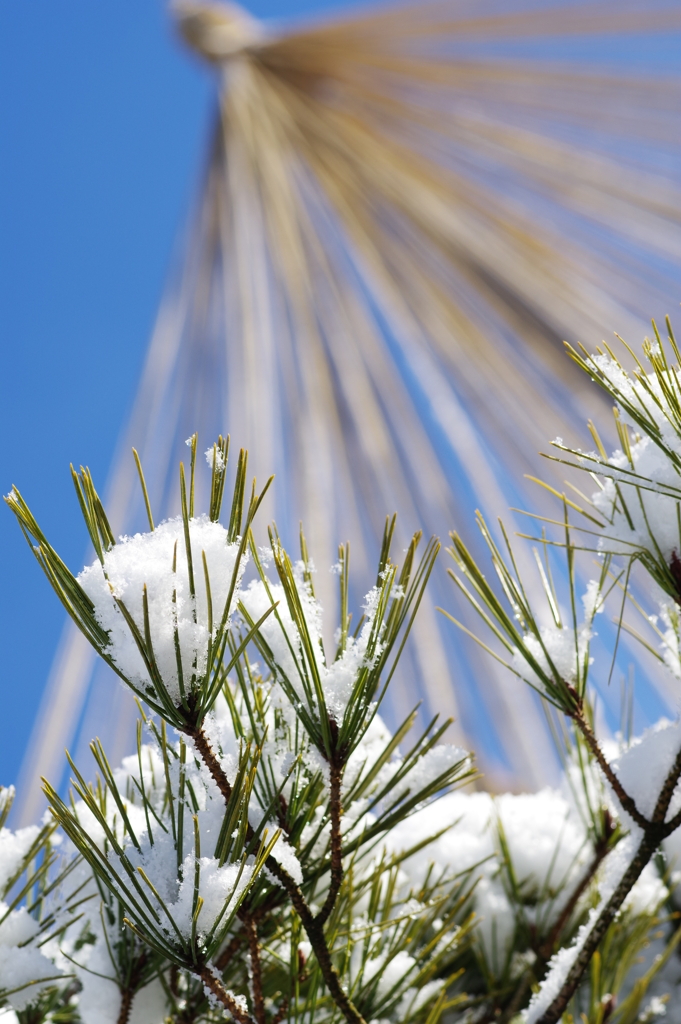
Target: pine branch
[545,950]
[336,811]
[654,832]
[220,992]
[624,798]
[256,967]
[313,928]
[126,1006]
[229,952]
[605,919]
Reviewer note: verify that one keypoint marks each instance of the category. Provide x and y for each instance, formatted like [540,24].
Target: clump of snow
[545,838]
[13,849]
[650,521]
[546,842]
[147,559]
[560,652]
[559,968]
[644,766]
[24,971]
[220,887]
[432,766]
[282,637]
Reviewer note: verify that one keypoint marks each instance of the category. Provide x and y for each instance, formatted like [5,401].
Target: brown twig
[315,933]
[211,762]
[126,1006]
[605,918]
[281,1012]
[215,986]
[229,951]
[256,968]
[313,928]
[128,992]
[654,832]
[545,950]
[625,800]
[336,812]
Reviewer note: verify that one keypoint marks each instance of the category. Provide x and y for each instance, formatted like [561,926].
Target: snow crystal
[215,456]
[147,558]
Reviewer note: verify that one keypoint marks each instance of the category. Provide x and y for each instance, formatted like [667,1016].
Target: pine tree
[273,852]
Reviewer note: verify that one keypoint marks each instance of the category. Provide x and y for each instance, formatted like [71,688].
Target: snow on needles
[650,518]
[644,766]
[282,637]
[147,559]
[642,769]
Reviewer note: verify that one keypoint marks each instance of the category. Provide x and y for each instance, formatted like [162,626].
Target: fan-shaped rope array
[403,216]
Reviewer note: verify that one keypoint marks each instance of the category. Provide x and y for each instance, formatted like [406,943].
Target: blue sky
[103,122]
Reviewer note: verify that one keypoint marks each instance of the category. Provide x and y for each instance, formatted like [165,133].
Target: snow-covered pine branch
[274,852]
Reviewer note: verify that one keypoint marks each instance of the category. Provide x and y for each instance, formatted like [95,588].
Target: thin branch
[313,928]
[256,968]
[625,800]
[315,933]
[336,811]
[665,797]
[645,851]
[127,995]
[545,950]
[215,986]
[211,762]
[281,1013]
[229,952]
[654,831]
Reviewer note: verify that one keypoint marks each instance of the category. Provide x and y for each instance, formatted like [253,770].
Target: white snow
[147,559]
[281,634]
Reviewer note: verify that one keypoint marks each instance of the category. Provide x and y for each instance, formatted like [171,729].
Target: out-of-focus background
[104,127]
[104,122]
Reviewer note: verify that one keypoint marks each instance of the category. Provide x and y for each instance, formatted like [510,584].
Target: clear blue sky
[103,122]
